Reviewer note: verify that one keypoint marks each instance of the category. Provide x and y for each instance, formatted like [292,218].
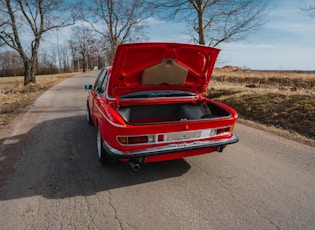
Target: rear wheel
[103,156]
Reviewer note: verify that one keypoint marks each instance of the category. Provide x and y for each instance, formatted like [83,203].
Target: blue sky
[285,42]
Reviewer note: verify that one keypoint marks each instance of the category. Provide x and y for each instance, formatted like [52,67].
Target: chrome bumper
[171,148]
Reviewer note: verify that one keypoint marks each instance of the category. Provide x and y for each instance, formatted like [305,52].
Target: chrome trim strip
[103,115]
[171,148]
[158,98]
[172,133]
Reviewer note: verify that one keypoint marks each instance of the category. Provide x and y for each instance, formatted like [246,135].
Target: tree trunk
[30,71]
[30,64]
[201,29]
[84,63]
[99,62]
[89,62]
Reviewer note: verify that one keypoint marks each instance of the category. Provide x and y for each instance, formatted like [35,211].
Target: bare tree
[65,51]
[46,63]
[82,42]
[75,56]
[10,64]
[211,22]
[117,21]
[20,19]
[53,51]
[310,8]
[100,53]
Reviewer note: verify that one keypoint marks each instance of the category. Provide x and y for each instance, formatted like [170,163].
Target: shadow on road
[60,160]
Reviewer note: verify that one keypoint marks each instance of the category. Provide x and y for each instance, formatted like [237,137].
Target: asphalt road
[262,182]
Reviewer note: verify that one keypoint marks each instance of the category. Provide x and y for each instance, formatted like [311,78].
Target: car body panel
[166,139]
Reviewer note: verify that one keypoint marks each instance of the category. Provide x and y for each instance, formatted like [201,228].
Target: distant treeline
[287,71]
[12,65]
[20,72]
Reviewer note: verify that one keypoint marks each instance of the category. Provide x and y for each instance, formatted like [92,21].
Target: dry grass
[15,97]
[281,80]
[284,100]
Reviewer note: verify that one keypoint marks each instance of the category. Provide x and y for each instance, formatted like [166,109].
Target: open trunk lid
[161,66]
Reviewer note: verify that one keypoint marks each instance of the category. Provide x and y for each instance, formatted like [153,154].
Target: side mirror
[88,87]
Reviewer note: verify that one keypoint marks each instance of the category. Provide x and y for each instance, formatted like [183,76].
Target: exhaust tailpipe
[220,149]
[134,165]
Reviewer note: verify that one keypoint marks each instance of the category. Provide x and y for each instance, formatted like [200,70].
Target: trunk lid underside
[161,66]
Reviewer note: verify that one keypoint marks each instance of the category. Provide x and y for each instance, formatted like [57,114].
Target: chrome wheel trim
[99,143]
[87,115]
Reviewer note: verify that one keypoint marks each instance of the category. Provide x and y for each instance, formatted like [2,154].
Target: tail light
[222,131]
[138,140]
[131,140]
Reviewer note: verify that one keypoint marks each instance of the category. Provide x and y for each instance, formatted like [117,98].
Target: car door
[97,94]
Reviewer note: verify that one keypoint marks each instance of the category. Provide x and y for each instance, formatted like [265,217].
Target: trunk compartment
[140,114]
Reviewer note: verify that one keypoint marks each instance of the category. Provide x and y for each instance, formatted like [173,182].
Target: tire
[88,115]
[103,156]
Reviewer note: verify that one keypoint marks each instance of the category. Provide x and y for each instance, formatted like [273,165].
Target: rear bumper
[169,149]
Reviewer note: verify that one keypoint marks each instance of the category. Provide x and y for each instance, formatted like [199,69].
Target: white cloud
[286,42]
[161,30]
[271,57]
[287,17]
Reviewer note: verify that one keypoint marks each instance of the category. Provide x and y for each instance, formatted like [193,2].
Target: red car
[149,105]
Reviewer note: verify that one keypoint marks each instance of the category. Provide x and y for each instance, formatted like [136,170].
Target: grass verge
[16,98]
[285,100]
